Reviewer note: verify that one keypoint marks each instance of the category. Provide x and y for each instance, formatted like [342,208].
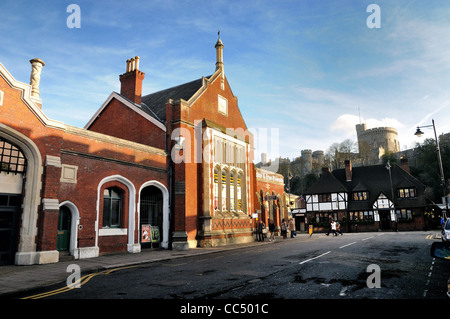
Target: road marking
[347,245]
[367,238]
[305,261]
[83,280]
[343,292]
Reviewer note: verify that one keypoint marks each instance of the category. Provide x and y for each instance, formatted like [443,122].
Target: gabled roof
[326,183]
[125,101]
[376,179]
[373,179]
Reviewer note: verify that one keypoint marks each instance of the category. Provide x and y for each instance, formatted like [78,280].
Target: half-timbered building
[367,198]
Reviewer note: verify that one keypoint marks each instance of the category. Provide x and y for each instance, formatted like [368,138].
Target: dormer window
[359,196]
[407,192]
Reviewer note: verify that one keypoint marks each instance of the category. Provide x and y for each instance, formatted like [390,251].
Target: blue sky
[302,69]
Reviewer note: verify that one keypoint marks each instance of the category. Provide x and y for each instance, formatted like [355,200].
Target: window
[223,105]
[324,198]
[216,188]
[228,176]
[112,207]
[357,196]
[224,191]
[325,217]
[232,206]
[404,214]
[239,192]
[407,192]
[361,215]
[11,158]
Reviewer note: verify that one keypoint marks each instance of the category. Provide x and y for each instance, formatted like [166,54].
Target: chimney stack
[404,164]
[131,81]
[35,78]
[348,171]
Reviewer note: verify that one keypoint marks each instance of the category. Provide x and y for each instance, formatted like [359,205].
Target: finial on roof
[219,53]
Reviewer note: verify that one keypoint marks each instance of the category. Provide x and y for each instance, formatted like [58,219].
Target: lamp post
[419,133]
[393,215]
[289,194]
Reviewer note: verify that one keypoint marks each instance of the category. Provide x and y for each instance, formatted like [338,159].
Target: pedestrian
[338,228]
[261,228]
[283,227]
[332,228]
[271,230]
[292,228]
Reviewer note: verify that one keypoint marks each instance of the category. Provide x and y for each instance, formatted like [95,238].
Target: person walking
[261,227]
[283,227]
[292,228]
[271,230]
[332,228]
[338,228]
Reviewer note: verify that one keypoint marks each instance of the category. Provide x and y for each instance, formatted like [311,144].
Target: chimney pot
[136,58]
[131,81]
[35,78]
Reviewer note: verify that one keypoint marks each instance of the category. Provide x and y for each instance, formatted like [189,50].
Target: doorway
[151,217]
[385,221]
[9,224]
[63,233]
[300,223]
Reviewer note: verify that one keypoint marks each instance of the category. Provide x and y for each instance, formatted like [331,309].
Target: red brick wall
[120,121]
[95,157]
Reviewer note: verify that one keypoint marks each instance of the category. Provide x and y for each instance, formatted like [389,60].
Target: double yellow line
[80,282]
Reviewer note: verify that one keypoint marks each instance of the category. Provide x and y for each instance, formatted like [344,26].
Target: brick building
[269,201]
[171,169]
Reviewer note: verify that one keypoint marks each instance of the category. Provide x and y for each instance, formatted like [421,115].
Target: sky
[305,72]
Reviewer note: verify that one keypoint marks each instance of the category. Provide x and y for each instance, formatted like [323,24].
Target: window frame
[108,215]
[406,192]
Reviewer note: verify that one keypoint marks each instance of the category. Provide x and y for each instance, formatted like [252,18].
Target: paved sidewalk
[20,279]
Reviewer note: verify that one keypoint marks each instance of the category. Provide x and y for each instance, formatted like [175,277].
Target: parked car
[446,230]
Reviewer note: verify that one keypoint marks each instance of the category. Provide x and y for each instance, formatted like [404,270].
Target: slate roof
[375,180]
[327,183]
[155,103]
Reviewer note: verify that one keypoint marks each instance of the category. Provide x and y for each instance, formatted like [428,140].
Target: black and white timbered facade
[367,198]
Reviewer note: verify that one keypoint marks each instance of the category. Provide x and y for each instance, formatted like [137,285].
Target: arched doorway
[64,229]
[12,170]
[151,217]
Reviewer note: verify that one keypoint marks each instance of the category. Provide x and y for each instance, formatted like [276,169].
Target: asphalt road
[395,265]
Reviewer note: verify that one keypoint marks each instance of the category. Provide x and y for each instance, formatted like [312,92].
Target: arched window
[112,207]
[216,189]
[239,192]
[11,158]
[224,190]
[232,203]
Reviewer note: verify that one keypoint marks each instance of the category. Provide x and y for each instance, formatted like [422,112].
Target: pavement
[16,280]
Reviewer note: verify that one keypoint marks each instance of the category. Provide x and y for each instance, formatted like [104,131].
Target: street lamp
[419,133]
